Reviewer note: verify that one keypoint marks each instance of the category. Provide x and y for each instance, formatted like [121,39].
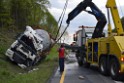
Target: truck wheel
[103,66]
[85,63]
[80,62]
[114,69]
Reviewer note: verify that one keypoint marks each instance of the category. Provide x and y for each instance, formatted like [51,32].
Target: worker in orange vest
[61,51]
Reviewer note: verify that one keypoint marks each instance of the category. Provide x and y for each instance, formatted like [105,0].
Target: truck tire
[85,63]
[114,69]
[80,62]
[103,66]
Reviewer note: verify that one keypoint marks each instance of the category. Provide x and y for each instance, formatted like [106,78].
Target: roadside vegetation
[11,73]
[19,13]
[14,16]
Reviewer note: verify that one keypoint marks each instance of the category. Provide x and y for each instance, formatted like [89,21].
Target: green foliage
[5,18]
[50,23]
[17,75]
[14,16]
[53,55]
[2,49]
[11,73]
[26,12]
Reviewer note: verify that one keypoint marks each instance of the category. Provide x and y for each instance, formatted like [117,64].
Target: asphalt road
[75,74]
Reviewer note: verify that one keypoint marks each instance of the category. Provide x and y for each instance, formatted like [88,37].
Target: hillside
[14,16]
[11,73]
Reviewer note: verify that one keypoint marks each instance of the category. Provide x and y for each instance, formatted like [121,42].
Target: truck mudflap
[27,50]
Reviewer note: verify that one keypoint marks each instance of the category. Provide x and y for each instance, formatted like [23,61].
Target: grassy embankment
[10,73]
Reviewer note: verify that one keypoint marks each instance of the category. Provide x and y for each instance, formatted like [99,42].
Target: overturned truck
[30,47]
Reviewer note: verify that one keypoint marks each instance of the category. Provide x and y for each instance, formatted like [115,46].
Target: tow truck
[105,52]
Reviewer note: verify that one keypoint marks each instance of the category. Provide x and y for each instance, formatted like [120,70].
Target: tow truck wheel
[80,63]
[85,63]
[114,69]
[103,66]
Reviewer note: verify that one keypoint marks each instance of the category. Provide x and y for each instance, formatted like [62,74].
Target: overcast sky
[83,18]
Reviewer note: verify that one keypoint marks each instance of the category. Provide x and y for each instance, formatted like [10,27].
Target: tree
[49,22]
[5,18]
[27,12]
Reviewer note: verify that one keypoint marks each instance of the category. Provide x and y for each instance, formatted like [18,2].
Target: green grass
[11,73]
[53,54]
[39,76]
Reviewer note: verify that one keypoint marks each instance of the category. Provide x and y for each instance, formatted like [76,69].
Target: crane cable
[64,9]
[61,18]
[62,33]
[60,36]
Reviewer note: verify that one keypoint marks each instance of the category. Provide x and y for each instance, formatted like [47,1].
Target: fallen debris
[81,77]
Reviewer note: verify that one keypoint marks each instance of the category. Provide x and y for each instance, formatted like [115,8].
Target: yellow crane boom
[114,11]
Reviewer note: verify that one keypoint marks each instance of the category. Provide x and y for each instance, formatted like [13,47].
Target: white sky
[83,18]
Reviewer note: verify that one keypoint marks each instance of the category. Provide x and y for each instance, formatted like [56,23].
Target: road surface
[75,74]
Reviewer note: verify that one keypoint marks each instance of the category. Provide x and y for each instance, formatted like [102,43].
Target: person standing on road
[61,51]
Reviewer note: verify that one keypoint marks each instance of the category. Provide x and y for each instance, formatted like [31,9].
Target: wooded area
[14,16]
[19,13]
